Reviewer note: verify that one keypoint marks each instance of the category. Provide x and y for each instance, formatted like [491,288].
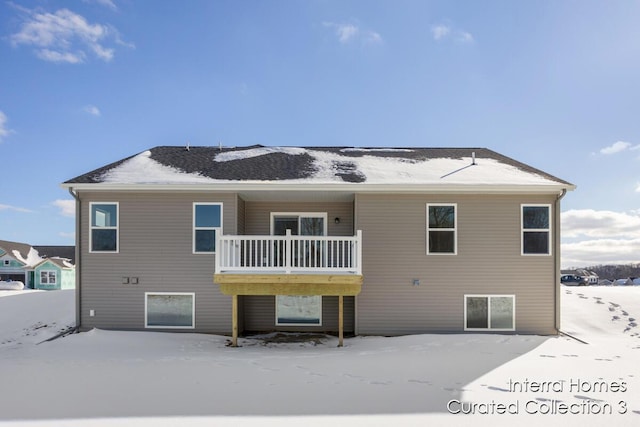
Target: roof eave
[234,187]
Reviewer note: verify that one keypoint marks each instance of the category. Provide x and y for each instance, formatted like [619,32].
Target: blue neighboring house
[38,267]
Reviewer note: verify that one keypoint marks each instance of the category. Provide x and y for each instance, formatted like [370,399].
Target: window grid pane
[442,217]
[535,217]
[477,312]
[501,312]
[535,242]
[104,240]
[441,241]
[207,216]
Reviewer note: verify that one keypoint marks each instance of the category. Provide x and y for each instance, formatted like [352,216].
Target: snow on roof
[356,165]
[32,258]
[374,150]
[256,152]
[60,262]
[142,169]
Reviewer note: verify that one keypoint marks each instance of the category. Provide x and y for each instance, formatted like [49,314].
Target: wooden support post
[340,320]
[234,315]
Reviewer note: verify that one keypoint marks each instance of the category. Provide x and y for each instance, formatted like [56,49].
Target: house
[35,269]
[15,260]
[623,282]
[53,274]
[358,240]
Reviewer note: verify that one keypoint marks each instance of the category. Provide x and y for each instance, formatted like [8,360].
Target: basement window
[296,310]
[489,312]
[169,310]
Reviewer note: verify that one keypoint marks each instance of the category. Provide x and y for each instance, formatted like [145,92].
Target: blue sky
[551,83]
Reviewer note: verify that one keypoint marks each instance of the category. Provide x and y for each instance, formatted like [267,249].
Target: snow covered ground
[106,378]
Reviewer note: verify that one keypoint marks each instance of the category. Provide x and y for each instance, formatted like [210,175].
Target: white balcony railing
[289,254]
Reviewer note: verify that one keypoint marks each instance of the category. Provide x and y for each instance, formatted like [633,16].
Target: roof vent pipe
[187,148]
[473,157]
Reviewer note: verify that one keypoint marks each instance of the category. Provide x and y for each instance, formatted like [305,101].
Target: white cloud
[4,131]
[54,56]
[348,33]
[107,3]
[600,251]
[440,31]
[92,109]
[603,237]
[592,223]
[14,208]
[616,147]
[67,207]
[464,37]
[66,37]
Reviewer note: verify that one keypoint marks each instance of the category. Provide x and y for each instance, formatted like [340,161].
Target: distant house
[53,274]
[623,282]
[363,240]
[605,282]
[48,270]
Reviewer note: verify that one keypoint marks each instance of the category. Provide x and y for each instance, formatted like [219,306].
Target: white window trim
[547,230]
[322,215]
[91,228]
[454,229]
[193,310]
[299,324]
[55,277]
[218,230]
[489,328]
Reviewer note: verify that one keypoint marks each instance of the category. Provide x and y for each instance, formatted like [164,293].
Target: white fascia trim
[234,187]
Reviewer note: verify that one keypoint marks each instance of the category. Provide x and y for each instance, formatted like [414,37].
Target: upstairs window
[536,229]
[207,224]
[441,229]
[104,227]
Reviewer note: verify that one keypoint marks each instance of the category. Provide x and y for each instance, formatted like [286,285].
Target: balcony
[288,265]
[289,254]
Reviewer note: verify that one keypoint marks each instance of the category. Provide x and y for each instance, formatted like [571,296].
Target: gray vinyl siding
[155,245]
[488,261]
[259,311]
[258,215]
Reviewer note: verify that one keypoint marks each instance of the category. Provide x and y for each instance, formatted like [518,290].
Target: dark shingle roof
[67,252]
[10,246]
[278,165]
